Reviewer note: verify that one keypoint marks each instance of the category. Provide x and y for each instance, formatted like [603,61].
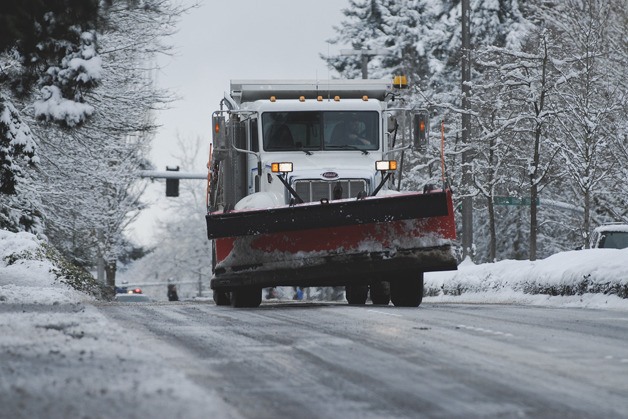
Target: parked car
[610,236]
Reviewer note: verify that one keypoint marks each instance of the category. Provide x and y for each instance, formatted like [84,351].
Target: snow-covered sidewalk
[61,358]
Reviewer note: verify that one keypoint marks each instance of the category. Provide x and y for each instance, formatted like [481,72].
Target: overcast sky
[235,39]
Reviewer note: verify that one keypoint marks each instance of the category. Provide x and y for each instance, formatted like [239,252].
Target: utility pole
[467,156]
[366,55]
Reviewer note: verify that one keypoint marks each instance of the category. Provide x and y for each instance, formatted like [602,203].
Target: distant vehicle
[131,298]
[610,236]
[122,289]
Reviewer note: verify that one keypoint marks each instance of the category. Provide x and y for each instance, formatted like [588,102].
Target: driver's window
[253,135]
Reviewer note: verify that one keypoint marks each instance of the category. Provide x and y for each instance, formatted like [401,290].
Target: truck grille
[315,190]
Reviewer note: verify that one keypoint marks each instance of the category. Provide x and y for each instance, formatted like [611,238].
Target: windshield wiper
[346,147]
[341,147]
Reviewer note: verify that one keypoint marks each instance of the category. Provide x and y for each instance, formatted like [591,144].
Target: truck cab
[332,143]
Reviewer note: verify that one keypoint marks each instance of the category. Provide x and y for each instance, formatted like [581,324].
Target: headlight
[385,165]
[284,167]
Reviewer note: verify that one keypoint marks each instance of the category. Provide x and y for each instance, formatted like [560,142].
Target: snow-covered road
[197,360]
[63,354]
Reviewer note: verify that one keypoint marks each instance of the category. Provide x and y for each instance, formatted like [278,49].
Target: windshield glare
[327,130]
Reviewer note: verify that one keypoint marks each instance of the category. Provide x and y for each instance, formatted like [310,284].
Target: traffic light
[172,185]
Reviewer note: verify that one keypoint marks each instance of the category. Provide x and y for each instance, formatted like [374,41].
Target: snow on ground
[47,329]
[61,358]
[581,278]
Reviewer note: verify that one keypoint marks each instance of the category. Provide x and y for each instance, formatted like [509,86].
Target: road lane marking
[620,319]
[482,330]
[383,312]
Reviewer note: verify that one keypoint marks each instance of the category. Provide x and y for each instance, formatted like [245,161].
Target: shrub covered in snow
[30,266]
[576,272]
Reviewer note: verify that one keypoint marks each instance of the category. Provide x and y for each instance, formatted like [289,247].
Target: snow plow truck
[301,192]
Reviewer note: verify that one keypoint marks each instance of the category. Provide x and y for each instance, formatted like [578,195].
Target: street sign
[512,200]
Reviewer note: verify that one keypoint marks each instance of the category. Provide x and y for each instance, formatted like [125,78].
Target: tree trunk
[493,234]
[587,219]
[534,192]
[533,220]
[110,270]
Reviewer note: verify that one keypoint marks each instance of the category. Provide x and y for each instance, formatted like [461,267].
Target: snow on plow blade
[332,214]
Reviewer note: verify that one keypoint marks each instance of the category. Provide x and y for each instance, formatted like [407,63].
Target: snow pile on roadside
[26,276]
[574,275]
[60,357]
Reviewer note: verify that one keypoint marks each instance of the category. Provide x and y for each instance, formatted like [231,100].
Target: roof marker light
[337,98]
[301,98]
[365,98]
[273,98]
[400,82]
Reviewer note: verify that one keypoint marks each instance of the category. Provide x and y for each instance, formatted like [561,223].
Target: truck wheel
[222,298]
[407,292]
[246,297]
[356,294]
[380,293]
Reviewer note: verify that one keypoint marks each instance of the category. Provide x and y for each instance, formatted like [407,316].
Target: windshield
[614,240]
[327,130]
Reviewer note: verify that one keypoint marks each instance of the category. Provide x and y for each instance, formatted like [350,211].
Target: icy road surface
[303,360]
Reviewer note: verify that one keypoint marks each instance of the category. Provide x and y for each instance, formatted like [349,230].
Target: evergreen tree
[47,54]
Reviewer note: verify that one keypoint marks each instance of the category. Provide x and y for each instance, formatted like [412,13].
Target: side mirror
[219,132]
[420,130]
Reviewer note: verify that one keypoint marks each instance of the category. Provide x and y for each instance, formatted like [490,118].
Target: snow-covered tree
[48,61]
[183,251]
[361,31]
[96,165]
[18,211]
[592,102]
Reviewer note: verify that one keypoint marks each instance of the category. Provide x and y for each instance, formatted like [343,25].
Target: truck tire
[380,293]
[246,297]
[407,292]
[222,298]
[356,294]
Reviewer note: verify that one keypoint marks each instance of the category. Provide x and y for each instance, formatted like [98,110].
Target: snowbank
[26,276]
[590,277]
